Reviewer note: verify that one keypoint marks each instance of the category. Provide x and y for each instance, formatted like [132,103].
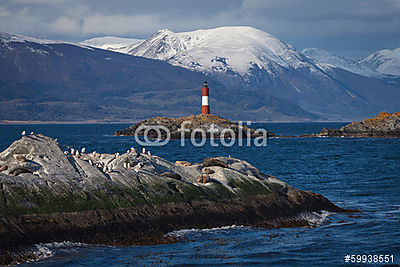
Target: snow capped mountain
[224,49]
[378,65]
[384,62]
[253,62]
[253,75]
[6,38]
[117,44]
[326,60]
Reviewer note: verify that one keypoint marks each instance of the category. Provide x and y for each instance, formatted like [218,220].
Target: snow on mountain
[117,44]
[9,38]
[325,59]
[224,49]
[378,65]
[384,62]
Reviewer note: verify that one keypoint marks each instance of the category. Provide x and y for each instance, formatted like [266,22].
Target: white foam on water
[315,218]
[180,233]
[43,251]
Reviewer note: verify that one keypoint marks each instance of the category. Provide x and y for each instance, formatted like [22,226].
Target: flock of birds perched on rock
[105,167]
[106,162]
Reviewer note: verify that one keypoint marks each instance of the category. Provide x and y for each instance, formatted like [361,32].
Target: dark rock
[17,171]
[172,175]
[204,122]
[67,196]
[383,125]
[208,162]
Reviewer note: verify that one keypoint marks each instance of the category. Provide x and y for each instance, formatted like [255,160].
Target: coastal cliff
[383,125]
[203,122]
[48,195]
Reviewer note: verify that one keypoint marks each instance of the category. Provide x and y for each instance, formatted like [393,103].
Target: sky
[351,28]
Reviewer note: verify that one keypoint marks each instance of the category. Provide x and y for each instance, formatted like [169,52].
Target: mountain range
[252,76]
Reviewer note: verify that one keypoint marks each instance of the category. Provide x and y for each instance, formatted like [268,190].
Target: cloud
[64,25]
[333,25]
[120,24]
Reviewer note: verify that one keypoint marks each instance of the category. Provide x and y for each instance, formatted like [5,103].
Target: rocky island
[203,122]
[383,125]
[48,195]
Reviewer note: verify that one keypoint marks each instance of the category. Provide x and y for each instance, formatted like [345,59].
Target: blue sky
[353,28]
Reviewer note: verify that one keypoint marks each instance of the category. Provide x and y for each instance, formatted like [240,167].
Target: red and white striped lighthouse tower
[205,109]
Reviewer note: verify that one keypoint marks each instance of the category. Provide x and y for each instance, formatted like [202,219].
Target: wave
[315,218]
[312,218]
[182,232]
[42,251]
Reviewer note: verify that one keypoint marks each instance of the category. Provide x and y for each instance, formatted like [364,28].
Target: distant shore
[10,122]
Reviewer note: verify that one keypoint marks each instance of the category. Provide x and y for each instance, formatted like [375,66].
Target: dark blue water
[356,173]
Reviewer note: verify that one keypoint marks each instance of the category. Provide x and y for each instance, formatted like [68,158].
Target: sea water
[354,173]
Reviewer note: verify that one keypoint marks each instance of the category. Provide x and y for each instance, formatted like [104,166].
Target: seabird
[32,133]
[144,150]
[138,167]
[90,162]
[72,151]
[83,150]
[23,133]
[149,153]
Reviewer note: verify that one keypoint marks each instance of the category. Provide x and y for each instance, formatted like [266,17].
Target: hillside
[53,80]
[252,61]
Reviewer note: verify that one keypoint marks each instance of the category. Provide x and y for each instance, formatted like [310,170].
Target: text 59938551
[369,258]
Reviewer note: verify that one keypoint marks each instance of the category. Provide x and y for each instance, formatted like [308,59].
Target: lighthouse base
[205,110]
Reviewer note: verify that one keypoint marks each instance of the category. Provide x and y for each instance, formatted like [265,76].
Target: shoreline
[11,122]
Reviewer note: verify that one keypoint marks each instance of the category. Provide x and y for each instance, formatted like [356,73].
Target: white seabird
[23,133]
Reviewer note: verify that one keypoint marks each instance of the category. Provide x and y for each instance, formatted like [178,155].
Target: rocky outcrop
[134,198]
[203,122]
[384,125]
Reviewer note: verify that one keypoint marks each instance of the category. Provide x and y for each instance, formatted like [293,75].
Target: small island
[49,195]
[386,125]
[202,122]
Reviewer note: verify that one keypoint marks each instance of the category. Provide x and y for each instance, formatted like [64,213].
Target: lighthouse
[205,109]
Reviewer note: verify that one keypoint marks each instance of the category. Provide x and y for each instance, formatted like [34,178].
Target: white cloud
[120,24]
[40,2]
[325,24]
[64,25]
